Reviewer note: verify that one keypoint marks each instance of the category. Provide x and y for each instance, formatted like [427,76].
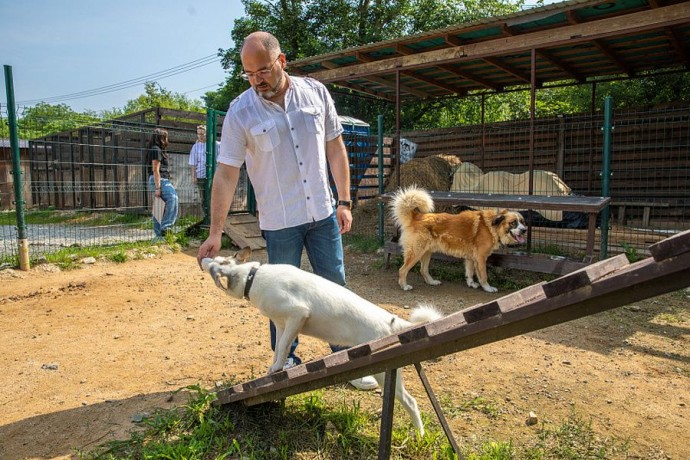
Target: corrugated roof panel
[608,8]
[607,39]
[541,23]
[480,34]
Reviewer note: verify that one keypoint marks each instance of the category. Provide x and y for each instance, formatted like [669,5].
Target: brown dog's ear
[243,255]
[498,220]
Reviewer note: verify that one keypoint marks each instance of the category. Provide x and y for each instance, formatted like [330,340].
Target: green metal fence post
[210,160]
[606,175]
[22,240]
[380,176]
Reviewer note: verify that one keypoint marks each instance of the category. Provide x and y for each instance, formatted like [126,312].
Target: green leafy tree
[43,119]
[312,27]
[157,96]
[4,129]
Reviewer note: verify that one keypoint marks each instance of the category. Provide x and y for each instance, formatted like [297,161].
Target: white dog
[301,302]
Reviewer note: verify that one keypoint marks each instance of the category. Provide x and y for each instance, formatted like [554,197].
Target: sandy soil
[86,353]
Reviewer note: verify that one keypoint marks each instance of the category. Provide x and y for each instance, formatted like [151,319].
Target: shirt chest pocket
[313,120]
[265,136]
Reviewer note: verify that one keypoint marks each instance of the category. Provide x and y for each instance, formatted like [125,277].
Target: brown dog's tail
[408,201]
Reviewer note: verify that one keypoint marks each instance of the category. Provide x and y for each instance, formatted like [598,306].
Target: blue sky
[59,47]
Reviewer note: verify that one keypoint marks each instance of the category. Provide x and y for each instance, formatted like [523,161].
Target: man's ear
[243,255]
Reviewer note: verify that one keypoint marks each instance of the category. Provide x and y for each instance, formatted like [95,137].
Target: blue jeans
[169,195]
[325,251]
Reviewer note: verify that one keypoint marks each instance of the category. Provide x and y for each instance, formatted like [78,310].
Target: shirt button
[296,146]
[305,181]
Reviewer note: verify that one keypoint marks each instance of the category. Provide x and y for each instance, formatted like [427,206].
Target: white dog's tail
[410,200]
[425,313]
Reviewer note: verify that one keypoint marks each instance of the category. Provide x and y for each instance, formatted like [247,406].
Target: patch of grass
[307,426]
[70,258]
[477,404]
[361,243]
[503,279]
[549,249]
[118,257]
[631,252]
[195,430]
[493,451]
[511,279]
[89,218]
[573,439]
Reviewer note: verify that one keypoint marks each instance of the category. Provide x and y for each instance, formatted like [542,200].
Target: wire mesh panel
[650,176]
[650,173]
[87,185]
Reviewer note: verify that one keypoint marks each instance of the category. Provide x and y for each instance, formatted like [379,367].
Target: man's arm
[222,193]
[336,154]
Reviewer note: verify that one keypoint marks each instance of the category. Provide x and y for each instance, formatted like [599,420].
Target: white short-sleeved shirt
[285,151]
[197,158]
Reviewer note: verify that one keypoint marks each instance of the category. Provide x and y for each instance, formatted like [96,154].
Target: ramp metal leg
[387,415]
[437,409]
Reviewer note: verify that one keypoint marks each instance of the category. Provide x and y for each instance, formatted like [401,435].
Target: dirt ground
[87,353]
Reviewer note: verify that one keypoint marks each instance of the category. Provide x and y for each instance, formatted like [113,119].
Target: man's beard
[273,91]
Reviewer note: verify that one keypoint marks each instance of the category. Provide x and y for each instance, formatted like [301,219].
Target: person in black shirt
[161,181]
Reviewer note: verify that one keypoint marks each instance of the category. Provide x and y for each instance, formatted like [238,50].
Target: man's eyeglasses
[259,73]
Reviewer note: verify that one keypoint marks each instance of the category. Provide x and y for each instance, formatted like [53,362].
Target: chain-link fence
[649,181]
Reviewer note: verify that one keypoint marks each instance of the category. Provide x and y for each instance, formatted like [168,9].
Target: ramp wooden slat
[243,230]
[599,287]
[522,297]
[584,276]
[670,247]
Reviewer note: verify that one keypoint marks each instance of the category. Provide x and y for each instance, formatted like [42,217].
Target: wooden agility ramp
[602,286]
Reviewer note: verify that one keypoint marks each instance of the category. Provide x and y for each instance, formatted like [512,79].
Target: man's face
[265,75]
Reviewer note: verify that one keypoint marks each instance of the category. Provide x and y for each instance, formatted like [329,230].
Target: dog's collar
[250,280]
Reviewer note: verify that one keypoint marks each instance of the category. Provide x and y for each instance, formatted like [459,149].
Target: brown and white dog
[300,302]
[471,235]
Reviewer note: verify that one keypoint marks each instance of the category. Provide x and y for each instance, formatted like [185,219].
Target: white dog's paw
[488,288]
[406,287]
[433,282]
[275,368]
[472,284]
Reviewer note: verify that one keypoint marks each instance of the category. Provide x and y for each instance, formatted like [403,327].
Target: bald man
[286,130]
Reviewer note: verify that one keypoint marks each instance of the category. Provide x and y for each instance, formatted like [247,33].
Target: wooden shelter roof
[576,41]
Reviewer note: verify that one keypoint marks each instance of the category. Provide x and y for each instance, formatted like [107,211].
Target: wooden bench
[646,211]
[590,205]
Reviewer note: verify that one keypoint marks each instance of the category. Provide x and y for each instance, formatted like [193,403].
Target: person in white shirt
[197,163]
[286,130]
